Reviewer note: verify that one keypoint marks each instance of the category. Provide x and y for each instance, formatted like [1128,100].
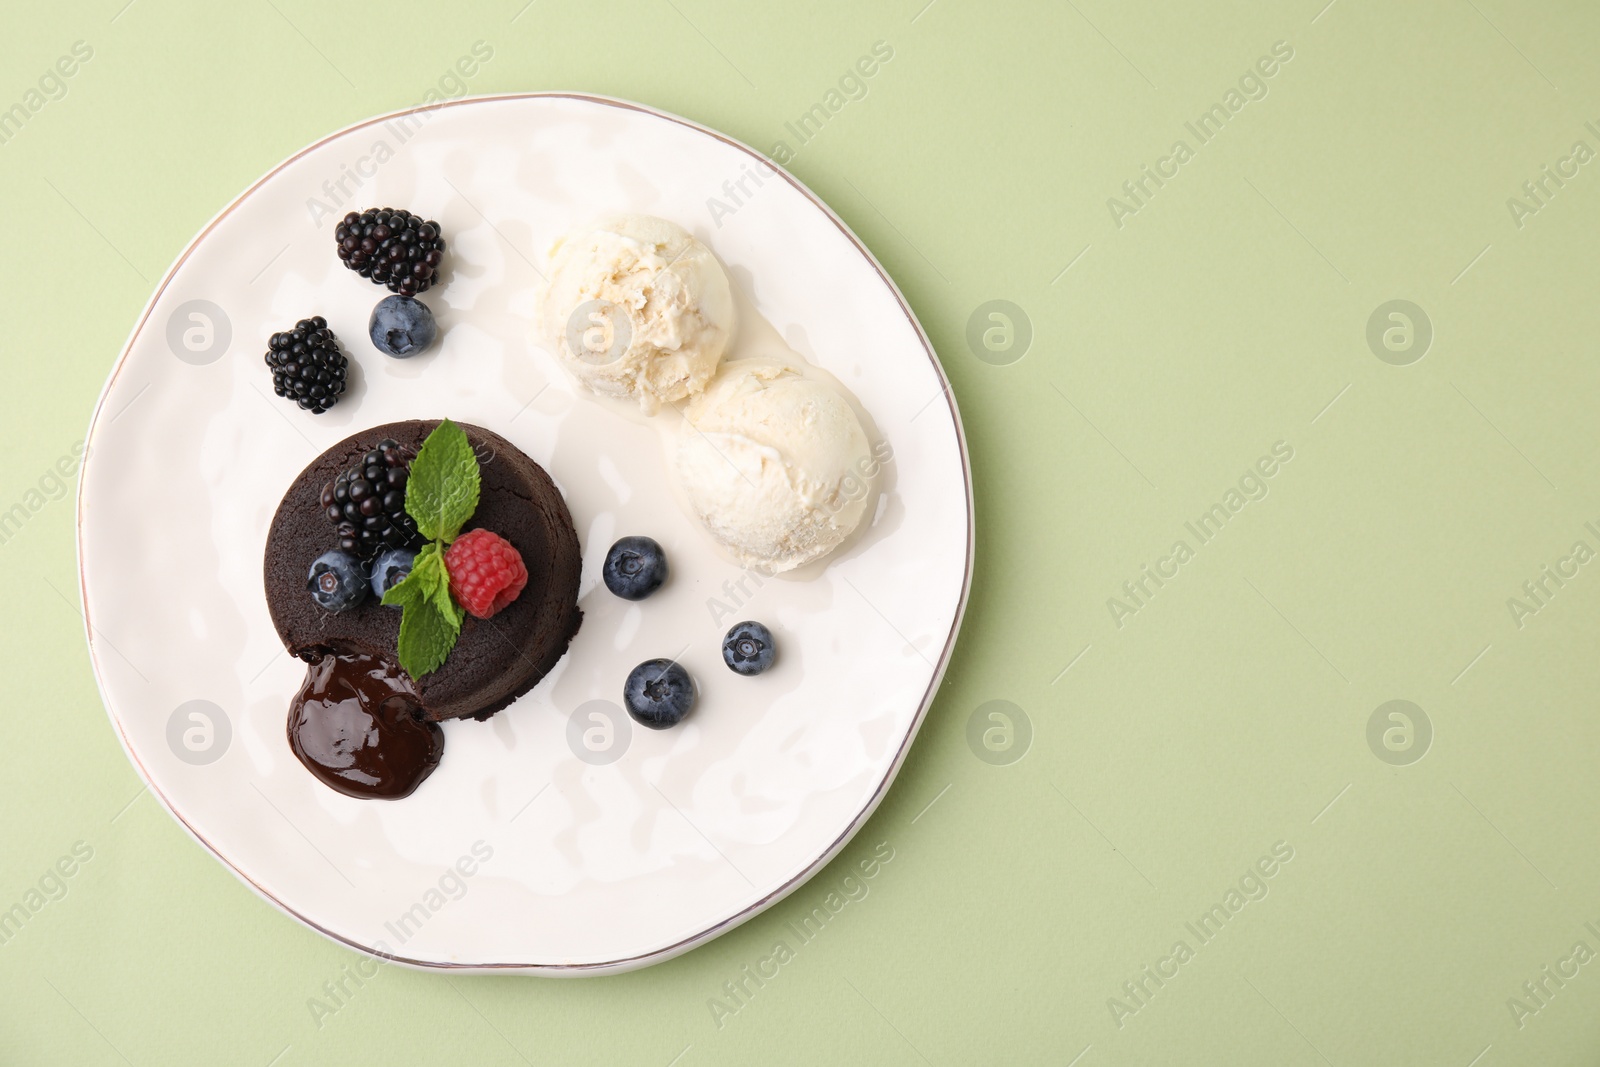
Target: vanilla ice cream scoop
[637,308]
[775,463]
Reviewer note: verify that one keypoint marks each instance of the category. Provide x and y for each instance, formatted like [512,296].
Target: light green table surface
[1170,743]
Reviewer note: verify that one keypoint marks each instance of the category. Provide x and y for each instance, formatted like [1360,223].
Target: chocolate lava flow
[357,725]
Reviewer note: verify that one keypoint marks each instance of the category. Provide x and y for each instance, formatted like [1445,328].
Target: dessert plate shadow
[557,837]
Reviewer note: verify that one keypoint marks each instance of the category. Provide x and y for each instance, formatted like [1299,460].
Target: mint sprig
[441,495]
[430,622]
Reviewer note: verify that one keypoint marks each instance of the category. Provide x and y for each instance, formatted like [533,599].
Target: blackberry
[392,247]
[307,366]
[367,503]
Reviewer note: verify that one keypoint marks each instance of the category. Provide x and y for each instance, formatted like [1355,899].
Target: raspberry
[486,572]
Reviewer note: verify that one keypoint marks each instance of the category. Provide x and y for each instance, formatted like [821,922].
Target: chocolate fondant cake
[496,659]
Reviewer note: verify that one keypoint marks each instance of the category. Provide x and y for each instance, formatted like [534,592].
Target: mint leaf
[426,638]
[444,603]
[442,489]
[430,622]
[418,585]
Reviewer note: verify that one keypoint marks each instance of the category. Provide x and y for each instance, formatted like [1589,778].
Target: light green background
[1228,714]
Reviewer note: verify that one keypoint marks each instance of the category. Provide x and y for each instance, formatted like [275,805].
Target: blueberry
[635,567]
[748,648]
[338,581]
[401,327]
[389,568]
[658,693]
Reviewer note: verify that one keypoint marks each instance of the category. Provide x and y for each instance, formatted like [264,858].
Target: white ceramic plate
[517,853]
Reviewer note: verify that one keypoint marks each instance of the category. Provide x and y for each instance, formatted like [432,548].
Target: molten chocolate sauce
[357,725]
